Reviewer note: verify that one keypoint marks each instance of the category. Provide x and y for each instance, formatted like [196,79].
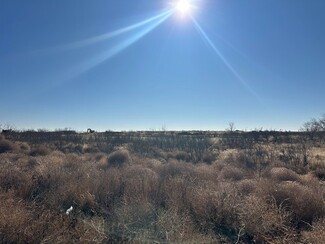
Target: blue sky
[132,65]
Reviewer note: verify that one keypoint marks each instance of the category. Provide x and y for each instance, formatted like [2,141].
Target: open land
[162,187]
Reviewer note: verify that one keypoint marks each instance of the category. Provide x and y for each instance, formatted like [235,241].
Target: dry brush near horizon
[162,187]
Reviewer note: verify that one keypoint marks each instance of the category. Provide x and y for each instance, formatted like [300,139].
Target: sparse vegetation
[163,187]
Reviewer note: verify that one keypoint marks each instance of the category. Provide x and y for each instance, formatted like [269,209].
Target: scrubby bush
[136,223]
[303,203]
[318,170]
[255,158]
[173,193]
[174,169]
[247,186]
[176,227]
[232,173]
[284,174]
[181,156]
[320,174]
[178,190]
[15,219]
[24,147]
[7,146]
[118,159]
[209,157]
[140,184]
[12,179]
[40,151]
[316,234]
[261,220]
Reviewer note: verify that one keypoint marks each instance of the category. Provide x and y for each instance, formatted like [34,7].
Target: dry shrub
[74,187]
[15,220]
[20,223]
[141,223]
[39,187]
[133,223]
[316,234]
[262,221]
[99,160]
[203,204]
[140,184]
[174,168]
[175,227]
[284,174]
[152,200]
[56,227]
[55,158]
[13,179]
[24,181]
[255,158]
[81,200]
[24,146]
[49,166]
[78,148]
[320,173]
[7,146]
[110,189]
[74,163]
[312,182]
[88,149]
[117,159]
[209,157]
[228,155]
[215,209]
[304,203]
[179,228]
[152,164]
[247,186]
[205,173]
[31,163]
[219,165]
[159,153]
[173,193]
[72,148]
[94,230]
[40,150]
[179,155]
[232,173]
[64,182]
[99,157]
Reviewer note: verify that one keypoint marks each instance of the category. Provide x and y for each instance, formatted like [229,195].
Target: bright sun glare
[183,6]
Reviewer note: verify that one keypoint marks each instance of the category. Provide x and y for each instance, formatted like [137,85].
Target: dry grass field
[162,187]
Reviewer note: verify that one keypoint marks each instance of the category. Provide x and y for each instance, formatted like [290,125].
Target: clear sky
[142,64]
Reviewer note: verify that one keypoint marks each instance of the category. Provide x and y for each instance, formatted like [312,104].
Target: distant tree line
[315,125]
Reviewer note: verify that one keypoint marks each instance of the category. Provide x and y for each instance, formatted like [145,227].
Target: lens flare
[99,38]
[111,52]
[183,7]
[222,57]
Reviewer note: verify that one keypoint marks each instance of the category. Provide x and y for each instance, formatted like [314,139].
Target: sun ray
[104,56]
[99,38]
[222,57]
[183,6]
[115,33]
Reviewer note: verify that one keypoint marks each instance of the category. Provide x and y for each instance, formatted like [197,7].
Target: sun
[183,7]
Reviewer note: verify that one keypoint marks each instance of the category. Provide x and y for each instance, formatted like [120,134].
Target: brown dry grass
[7,146]
[284,174]
[123,196]
[305,204]
[117,159]
[316,234]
